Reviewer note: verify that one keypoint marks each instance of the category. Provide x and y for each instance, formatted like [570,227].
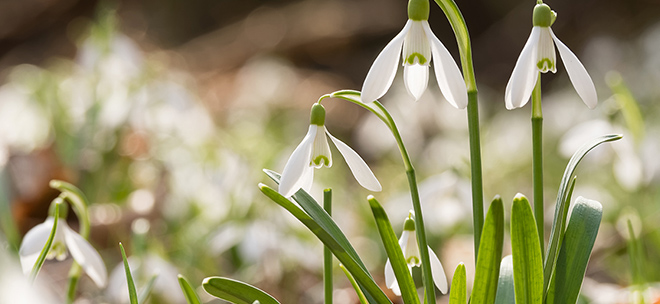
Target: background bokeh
[165,112]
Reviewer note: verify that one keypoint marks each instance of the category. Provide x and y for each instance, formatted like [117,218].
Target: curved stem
[379,110]
[457,22]
[537,160]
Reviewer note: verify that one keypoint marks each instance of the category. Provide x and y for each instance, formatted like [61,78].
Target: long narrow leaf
[146,291]
[314,210]
[505,292]
[458,291]
[188,291]
[49,243]
[394,253]
[527,260]
[364,279]
[559,222]
[575,250]
[132,293]
[236,292]
[358,291]
[490,255]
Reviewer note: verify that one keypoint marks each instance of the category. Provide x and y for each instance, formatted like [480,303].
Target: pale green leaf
[527,260]
[490,255]
[458,291]
[235,291]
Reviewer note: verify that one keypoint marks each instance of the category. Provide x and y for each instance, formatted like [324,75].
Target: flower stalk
[459,26]
[327,254]
[537,160]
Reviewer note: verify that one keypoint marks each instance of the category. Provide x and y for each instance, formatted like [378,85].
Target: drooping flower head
[66,239]
[410,248]
[538,55]
[419,46]
[314,152]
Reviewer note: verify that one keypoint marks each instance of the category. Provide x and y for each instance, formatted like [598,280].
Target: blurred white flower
[65,238]
[419,45]
[314,152]
[16,288]
[538,55]
[142,268]
[410,248]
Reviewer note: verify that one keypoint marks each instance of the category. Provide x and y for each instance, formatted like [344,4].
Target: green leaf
[505,292]
[394,253]
[236,292]
[146,291]
[458,291]
[527,260]
[358,291]
[364,279]
[575,250]
[188,291]
[49,243]
[490,255]
[559,222]
[132,293]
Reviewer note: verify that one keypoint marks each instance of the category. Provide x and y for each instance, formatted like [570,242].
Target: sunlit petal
[546,58]
[438,272]
[320,155]
[85,255]
[33,243]
[416,78]
[296,165]
[525,73]
[577,73]
[381,74]
[390,278]
[360,170]
[449,77]
[307,179]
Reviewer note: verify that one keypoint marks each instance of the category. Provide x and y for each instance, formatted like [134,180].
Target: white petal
[546,58]
[439,276]
[577,73]
[360,170]
[390,278]
[449,77]
[523,79]
[416,78]
[292,175]
[33,243]
[307,179]
[320,154]
[381,74]
[85,255]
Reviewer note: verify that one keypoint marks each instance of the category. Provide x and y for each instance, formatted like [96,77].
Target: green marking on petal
[321,160]
[411,58]
[412,260]
[545,65]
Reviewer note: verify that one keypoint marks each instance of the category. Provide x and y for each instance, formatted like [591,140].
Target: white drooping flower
[65,238]
[314,152]
[538,55]
[410,248]
[419,46]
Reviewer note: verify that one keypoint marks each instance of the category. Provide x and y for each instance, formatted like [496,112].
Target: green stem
[327,255]
[537,160]
[74,276]
[459,26]
[49,242]
[379,110]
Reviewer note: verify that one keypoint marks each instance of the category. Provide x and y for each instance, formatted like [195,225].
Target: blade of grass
[364,279]
[132,293]
[458,291]
[146,291]
[49,243]
[394,253]
[505,291]
[358,291]
[490,255]
[527,260]
[188,291]
[575,250]
[236,292]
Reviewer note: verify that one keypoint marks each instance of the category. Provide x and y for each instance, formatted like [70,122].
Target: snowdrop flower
[538,55]
[408,243]
[65,238]
[314,152]
[419,46]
